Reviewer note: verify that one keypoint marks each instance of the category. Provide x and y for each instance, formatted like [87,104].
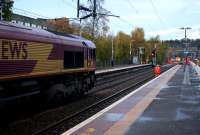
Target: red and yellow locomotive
[37,60]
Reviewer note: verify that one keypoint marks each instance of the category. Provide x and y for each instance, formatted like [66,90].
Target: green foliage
[122,42]
[7,9]
[104,50]
[161,53]
[160,48]
[138,35]
[137,39]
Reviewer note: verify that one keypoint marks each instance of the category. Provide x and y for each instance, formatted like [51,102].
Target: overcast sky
[156,17]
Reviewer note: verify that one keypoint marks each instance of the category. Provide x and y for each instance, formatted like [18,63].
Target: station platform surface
[118,68]
[166,105]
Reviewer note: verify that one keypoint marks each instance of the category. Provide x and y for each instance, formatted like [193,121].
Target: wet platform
[167,105]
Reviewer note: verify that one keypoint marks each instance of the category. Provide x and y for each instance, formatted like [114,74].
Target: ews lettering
[14,50]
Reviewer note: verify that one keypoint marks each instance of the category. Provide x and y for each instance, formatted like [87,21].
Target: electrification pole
[94,14]
[78,8]
[91,13]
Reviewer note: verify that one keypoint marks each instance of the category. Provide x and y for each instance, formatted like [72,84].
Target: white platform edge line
[82,124]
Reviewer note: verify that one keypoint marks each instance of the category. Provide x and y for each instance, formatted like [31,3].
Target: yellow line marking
[89,131]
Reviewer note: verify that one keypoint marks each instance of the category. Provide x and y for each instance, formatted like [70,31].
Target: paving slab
[175,110]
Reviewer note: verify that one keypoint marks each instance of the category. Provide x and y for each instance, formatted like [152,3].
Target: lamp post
[187,46]
[185,29]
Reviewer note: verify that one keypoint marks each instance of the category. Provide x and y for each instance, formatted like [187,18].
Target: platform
[167,105]
[118,68]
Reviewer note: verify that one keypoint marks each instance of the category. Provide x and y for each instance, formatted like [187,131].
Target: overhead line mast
[92,13]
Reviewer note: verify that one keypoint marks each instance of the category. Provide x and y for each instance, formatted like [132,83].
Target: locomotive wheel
[55,95]
[79,87]
[92,80]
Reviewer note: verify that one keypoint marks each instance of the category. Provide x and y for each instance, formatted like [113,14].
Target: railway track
[67,122]
[110,77]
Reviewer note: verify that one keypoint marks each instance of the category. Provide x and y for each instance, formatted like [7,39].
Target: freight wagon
[35,61]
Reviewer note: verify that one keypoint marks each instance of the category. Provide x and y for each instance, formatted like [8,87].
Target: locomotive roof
[17,32]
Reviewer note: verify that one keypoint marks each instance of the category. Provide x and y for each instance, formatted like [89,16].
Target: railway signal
[153,55]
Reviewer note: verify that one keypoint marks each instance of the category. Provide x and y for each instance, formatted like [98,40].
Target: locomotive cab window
[73,59]
[68,59]
[94,54]
[79,59]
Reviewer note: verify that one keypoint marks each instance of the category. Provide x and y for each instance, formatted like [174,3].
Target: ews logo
[13,49]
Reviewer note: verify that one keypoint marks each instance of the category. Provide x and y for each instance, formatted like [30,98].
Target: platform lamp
[187,46]
[185,29]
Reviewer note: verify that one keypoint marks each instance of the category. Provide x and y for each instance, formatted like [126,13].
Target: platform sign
[141,50]
[135,60]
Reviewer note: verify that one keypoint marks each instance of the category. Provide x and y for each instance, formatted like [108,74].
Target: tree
[100,22]
[7,9]
[122,43]
[160,48]
[59,25]
[137,38]
[103,44]
[138,34]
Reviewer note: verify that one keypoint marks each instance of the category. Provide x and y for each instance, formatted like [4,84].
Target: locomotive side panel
[27,58]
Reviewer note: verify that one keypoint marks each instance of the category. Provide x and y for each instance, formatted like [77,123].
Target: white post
[112,59]
[130,52]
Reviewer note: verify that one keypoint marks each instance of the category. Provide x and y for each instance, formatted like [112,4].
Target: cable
[32,13]
[156,13]
[132,6]
[120,18]
[71,5]
[125,21]
[35,15]
[136,11]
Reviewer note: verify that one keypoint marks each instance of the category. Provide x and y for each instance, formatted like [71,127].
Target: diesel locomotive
[35,61]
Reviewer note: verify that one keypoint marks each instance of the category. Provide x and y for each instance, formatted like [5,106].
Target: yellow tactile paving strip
[122,126]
